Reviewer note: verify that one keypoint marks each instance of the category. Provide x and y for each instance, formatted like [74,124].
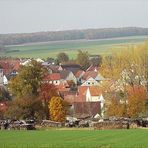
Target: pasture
[51,49]
[74,139]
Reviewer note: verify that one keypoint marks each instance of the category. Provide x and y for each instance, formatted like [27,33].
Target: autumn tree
[130,65]
[134,105]
[136,101]
[46,92]
[115,108]
[83,59]
[62,57]
[96,61]
[23,108]
[28,80]
[57,108]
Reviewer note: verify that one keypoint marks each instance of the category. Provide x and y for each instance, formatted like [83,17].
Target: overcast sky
[18,16]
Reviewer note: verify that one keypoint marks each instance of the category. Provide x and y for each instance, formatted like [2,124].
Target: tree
[83,59]
[29,79]
[62,57]
[96,61]
[136,101]
[4,94]
[57,108]
[115,108]
[134,106]
[23,108]
[46,92]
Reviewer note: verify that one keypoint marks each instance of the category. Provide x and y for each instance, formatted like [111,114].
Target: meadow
[51,49]
[133,138]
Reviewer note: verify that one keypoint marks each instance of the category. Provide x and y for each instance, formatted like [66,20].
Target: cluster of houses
[81,89]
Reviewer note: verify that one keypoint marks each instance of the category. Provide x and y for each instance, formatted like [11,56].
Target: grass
[51,49]
[136,138]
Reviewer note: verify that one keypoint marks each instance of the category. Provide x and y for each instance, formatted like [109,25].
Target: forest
[88,34]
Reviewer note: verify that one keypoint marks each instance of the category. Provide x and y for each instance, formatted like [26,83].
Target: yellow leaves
[116,108]
[57,109]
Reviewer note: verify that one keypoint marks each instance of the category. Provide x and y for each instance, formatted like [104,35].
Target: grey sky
[47,15]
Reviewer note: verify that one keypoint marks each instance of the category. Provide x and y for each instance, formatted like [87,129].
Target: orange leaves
[116,108]
[136,101]
[47,91]
[57,109]
[132,105]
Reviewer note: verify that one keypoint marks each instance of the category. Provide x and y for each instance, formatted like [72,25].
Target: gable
[90,82]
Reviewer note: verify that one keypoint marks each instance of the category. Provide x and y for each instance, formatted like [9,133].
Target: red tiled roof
[53,76]
[79,73]
[16,66]
[87,108]
[92,68]
[95,90]
[89,74]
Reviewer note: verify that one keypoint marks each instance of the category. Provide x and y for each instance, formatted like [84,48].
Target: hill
[88,34]
[51,49]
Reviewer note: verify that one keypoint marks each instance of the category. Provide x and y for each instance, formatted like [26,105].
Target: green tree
[62,57]
[28,80]
[83,59]
[57,108]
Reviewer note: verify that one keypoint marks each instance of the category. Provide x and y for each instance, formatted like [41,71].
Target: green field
[137,138]
[51,49]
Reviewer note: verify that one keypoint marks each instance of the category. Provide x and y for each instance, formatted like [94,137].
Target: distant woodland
[88,34]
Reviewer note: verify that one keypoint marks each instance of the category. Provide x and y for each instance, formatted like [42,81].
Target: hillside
[51,49]
[88,34]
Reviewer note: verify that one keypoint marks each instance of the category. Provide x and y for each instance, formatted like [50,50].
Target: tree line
[128,69]
[88,34]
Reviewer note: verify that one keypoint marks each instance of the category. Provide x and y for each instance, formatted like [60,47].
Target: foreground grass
[51,49]
[74,139]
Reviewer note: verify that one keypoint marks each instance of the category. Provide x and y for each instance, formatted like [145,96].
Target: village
[87,92]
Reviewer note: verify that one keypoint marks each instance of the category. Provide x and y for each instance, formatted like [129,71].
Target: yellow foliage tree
[57,108]
[115,108]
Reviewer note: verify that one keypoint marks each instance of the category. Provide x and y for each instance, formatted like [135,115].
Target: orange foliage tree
[136,101]
[57,107]
[46,92]
[132,105]
[115,108]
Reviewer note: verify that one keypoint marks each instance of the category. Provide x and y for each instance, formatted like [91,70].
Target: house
[92,74]
[53,78]
[89,100]
[53,68]
[61,78]
[93,68]
[91,82]
[5,80]
[79,74]
[86,109]
[25,62]
[6,66]
[68,76]
[71,67]
[39,60]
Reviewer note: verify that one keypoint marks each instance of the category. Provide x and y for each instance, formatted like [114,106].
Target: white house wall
[90,82]
[71,77]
